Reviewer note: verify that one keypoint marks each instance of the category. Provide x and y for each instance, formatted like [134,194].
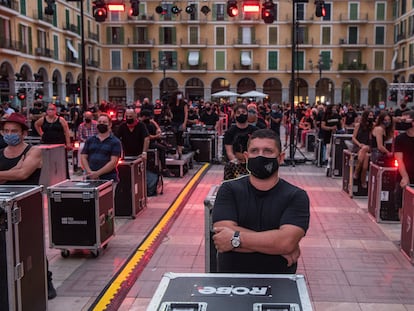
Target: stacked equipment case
[210,249]
[407,223]
[23,284]
[351,185]
[204,143]
[81,215]
[131,191]
[381,193]
[338,146]
[224,292]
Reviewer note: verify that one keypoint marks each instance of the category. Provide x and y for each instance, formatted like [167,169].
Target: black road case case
[81,215]
[407,223]
[131,191]
[381,193]
[210,249]
[224,292]
[351,185]
[338,146]
[23,283]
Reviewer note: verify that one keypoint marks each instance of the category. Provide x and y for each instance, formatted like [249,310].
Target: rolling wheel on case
[95,253]
[65,253]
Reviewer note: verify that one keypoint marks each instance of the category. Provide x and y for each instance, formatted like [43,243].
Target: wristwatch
[235,240]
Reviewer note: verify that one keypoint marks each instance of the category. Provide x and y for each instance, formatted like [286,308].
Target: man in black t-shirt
[259,219]
[208,116]
[241,128]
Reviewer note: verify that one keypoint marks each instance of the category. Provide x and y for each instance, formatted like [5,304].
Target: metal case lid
[70,185]
[12,192]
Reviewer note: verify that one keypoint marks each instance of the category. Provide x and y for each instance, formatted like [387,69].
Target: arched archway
[6,77]
[142,89]
[377,91]
[246,85]
[325,91]
[273,87]
[351,92]
[300,91]
[220,84]
[117,91]
[194,89]
[168,85]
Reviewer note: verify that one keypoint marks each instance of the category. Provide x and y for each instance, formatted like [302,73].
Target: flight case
[407,223]
[351,185]
[23,284]
[210,249]
[338,146]
[54,165]
[224,292]
[204,142]
[131,191]
[381,193]
[81,215]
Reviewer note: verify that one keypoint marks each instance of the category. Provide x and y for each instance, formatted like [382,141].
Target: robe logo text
[234,290]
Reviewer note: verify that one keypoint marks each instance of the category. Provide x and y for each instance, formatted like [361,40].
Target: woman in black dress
[179,110]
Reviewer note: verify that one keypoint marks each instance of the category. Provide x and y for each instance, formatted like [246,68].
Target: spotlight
[232,9]
[160,10]
[175,10]
[189,9]
[205,9]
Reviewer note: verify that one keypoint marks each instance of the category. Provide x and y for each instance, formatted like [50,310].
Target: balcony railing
[139,41]
[143,66]
[92,63]
[11,4]
[93,36]
[185,66]
[352,66]
[6,43]
[72,28]
[253,67]
[45,52]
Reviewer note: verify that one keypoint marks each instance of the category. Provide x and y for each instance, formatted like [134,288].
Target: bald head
[130,114]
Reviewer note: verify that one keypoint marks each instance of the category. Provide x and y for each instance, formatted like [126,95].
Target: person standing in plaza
[20,164]
[86,129]
[383,132]
[209,117]
[241,128]
[259,219]
[133,135]
[101,152]
[276,117]
[403,153]
[179,110]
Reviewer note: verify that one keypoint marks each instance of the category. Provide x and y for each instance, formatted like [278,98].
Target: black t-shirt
[234,132]
[350,117]
[237,200]
[209,119]
[132,141]
[331,120]
[405,144]
[276,125]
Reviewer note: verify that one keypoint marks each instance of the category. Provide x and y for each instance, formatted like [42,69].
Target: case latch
[16,214]
[57,196]
[86,196]
[18,271]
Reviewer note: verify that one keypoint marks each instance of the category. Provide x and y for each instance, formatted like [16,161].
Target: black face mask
[242,118]
[88,120]
[262,167]
[403,106]
[208,109]
[147,121]
[129,121]
[102,128]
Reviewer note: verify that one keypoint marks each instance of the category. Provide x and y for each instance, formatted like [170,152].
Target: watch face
[235,242]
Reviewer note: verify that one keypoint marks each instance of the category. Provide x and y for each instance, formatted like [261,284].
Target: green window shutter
[174,35]
[326,35]
[410,54]
[326,60]
[54,16]
[30,40]
[214,13]
[240,35]
[193,35]
[142,9]
[148,60]
[135,56]
[108,35]
[273,60]
[121,35]
[272,35]
[220,35]
[299,60]
[379,35]
[23,7]
[161,35]
[379,60]
[380,11]
[40,9]
[220,60]
[78,20]
[253,33]
[353,35]
[353,11]
[55,47]
[135,35]
[174,59]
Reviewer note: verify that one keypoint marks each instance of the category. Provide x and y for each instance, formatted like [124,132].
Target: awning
[193,58]
[245,59]
[394,60]
[72,49]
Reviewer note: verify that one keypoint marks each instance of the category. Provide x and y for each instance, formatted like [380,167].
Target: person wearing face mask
[400,124]
[241,128]
[383,131]
[85,130]
[101,152]
[361,138]
[209,117]
[276,117]
[133,135]
[259,219]
[20,164]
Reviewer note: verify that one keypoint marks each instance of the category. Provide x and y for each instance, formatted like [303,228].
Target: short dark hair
[240,106]
[266,133]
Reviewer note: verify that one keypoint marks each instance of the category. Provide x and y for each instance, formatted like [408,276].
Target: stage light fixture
[232,9]
[205,9]
[189,9]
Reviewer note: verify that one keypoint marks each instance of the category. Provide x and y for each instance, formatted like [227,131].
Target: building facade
[351,54]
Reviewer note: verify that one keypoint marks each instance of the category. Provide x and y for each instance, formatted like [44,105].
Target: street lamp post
[83,60]
[163,66]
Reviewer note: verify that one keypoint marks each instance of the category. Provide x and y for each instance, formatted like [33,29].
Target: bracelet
[144,153]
